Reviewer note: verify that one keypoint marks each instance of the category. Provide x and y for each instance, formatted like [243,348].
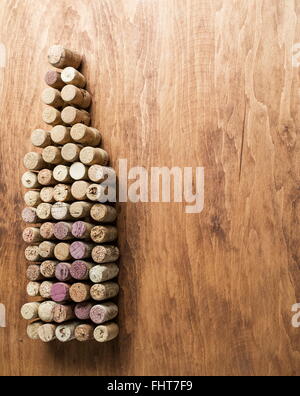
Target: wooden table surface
[175,83]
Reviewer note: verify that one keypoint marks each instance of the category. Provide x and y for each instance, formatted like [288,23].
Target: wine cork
[46,249]
[104,291]
[76,96]
[63,313]
[32,198]
[33,273]
[71,116]
[40,138]
[84,332]
[80,292]
[29,311]
[47,195]
[52,116]
[82,310]
[100,193]
[80,270]
[61,211]
[45,177]
[103,312]
[52,155]
[44,211]
[32,330]
[102,234]
[48,267]
[82,230]
[102,273]
[34,161]
[33,289]
[61,134]
[85,135]
[52,97]
[63,231]
[78,171]
[53,79]
[71,76]
[70,152]
[62,251]
[66,332]
[62,193]
[46,332]
[32,253]
[61,173]
[98,174]
[46,311]
[105,254]
[30,180]
[32,235]
[60,292]
[107,332]
[29,215]
[47,231]
[63,272]
[45,289]
[80,210]
[94,156]
[81,250]
[79,189]
[61,57]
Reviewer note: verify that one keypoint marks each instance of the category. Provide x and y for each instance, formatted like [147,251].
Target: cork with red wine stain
[82,310]
[62,272]
[82,230]
[60,292]
[80,250]
[80,270]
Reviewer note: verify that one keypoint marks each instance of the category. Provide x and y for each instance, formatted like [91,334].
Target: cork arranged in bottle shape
[70,234]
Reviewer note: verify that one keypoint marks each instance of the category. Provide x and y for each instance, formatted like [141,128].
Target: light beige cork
[104,312]
[99,174]
[76,96]
[106,332]
[29,215]
[32,253]
[52,155]
[79,189]
[32,198]
[103,234]
[71,76]
[103,273]
[34,161]
[105,254]
[33,273]
[48,268]
[84,332]
[53,79]
[30,180]
[45,289]
[41,138]
[70,152]
[47,195]
[45,177]
[80,210]
[29,311]
[104,291]
[71,116]
[44,211]
[94,156]
[80,292]
[46,249]
[61,173]
[46,311]
[79,171]
[103,213]
[33,289]
[52,116]
[52,97]
[63,313]
[66,332]
[46,332]
[32,235]
[62,252]
[60,134]
[61,57]
[32,330]
[61,211]
[85,135]
[62,193]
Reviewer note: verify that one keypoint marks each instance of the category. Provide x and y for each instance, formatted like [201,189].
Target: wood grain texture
[175,83]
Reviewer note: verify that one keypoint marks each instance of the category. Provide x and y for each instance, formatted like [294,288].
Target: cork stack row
[71,234]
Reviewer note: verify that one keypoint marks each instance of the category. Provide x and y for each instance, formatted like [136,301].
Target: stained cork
[98,193]
[32,235]
[46,311]
[47,231]
[80,292]
[32,253]
[79,189]
[104,291]
[80,270]
[76,96]
[47,195]
[45,177]
[46,249]
[61,57]
[79,171]
[63,231]
[53,79]
[33,289]
[62,251]
[52,97]
[105,254]
[29,311]
[70,152]
[85,135]
[33,273]
[52,155]
[71,116]
[82,310]
[63,313]
[66,332]
[82,229]
[84,332]
[29,215]
[61,135]
[32,330]
[80,210]
[52,116]
[80,250]
[63,272]
[103,234]
[30,180]
[44,211]
[32,198]
[104,272]
[103,213]
[107,332]
[46,332]
[103,312]
[99,174]
[34,161]
[61,211]
[45,289]
[60,292]
[94,156]
[40,138]
[62,193]
[71,76]
[48,267]
[61,173]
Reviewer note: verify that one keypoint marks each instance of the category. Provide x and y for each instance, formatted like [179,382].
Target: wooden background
[175,83]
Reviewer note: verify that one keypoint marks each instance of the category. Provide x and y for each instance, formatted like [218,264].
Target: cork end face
[78,171]
[48,96]
[58,133]
[68,74]
[68,93]
[79,270]
[87,155]
[56,54]
[78,131]
[51,77]
[49,115]
[68,115]
[38,137]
